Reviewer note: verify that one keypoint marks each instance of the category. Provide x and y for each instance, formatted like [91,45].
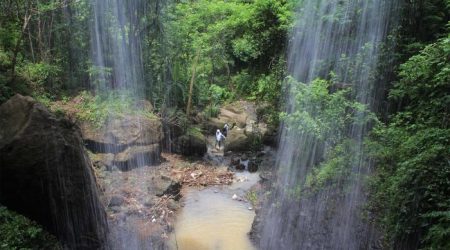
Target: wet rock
[125,143]
[116,201]
[173,205]
[265,176]
[133,212]
[190,145]
[137,156]
[240,167]
[46,175]
[242,116]
[270,136]
[103,161]
[115,209]
[148,202]
[234,161]
[162,186]
[252,167]
[251,127]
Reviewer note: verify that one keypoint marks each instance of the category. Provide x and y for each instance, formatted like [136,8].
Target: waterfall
[339,41]
[118,78]
[116,46]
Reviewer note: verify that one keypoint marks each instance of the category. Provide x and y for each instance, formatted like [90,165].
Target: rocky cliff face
[46,175]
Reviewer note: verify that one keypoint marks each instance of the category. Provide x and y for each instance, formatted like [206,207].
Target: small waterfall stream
[338,41]
[117,76]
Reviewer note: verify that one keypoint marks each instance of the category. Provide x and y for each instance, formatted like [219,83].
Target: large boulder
[247,131]
[237,141]
[190,144]
[121,132]
[235,114]
[46,175]
[124,142]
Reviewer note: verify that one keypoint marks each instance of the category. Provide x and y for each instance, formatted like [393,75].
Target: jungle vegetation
[236,49]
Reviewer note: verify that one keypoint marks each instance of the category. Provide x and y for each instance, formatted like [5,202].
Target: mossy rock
[192,143]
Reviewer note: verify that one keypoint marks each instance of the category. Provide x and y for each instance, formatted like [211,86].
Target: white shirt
[219,136]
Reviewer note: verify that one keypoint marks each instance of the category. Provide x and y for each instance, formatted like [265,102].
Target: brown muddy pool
[211,219]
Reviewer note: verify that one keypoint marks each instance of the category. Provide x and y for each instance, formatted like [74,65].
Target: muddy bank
[142,203]
[223,216]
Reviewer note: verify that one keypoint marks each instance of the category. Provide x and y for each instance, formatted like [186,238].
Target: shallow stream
[212,219]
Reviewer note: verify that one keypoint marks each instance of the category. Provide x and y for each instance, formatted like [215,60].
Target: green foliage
[425,84]
[98,109]
[439,233]
[411,185]
[194,131]
[211,111]
[337,165]
[269,114]
[43,47]
[218,94]
[412,181]
[18,232]
[237,41]
[323,114]
[5,91]
[255,142]
[327,116]
[252,197]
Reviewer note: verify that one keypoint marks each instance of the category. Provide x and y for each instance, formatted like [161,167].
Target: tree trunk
[26,20]
[191,85]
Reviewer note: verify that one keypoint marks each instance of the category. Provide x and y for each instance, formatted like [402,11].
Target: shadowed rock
[46,175]
[190,145]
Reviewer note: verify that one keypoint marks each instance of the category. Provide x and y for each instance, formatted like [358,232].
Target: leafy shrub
[194,131]
[255,141]
[323,114]
[18,232]
[326,116]
[211,111]
[96,110]
[337,164]
[252,197]
[412,182]
[39,76]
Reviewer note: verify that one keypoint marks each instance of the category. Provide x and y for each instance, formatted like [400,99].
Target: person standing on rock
[225,129]
[219,138]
